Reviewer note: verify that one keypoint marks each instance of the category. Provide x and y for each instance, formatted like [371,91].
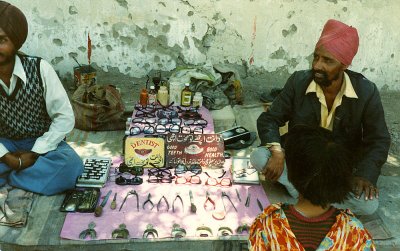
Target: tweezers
[247,204]
[208,199]
[227,196]
[148,201]
[131,192]
[238,195]
[173,203]
[159,203]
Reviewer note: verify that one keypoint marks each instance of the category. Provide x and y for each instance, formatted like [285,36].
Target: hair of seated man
[318,167]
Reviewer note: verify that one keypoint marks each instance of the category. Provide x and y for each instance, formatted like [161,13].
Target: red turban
[340,40]
[13,23]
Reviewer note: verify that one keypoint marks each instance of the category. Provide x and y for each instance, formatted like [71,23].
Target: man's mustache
[320,72]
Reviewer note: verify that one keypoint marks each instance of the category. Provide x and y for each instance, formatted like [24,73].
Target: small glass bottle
[143,98]
[186,96]
[152,100]
[128,123]
[163,95]
[197,100]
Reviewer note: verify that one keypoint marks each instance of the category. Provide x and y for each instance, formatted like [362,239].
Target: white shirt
[57,105]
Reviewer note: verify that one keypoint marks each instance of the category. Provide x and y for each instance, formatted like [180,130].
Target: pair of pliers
[131,192]
[209,200]
[148,201]
[227,196]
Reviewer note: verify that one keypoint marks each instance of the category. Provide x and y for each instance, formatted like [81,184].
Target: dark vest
[23,114]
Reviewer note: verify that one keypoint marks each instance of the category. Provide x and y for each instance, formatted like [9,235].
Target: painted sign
[203,149]
[144,151]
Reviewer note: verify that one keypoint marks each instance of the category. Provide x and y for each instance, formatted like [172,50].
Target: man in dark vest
[342,101]
[35,116]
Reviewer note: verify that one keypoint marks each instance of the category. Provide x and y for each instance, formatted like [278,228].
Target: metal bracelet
[20,163]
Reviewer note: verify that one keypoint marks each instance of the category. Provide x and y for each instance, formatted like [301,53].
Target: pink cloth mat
[163,220]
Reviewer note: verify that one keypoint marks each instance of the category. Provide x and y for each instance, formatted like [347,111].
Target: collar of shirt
[326,115]
[346,90]
[18,72]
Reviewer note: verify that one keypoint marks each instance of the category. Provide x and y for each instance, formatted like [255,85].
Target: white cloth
[57,104]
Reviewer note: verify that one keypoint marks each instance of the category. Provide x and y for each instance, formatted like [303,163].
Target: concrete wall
[267,39]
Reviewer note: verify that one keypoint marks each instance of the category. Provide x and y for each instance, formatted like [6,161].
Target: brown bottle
[143,98]
[186,96]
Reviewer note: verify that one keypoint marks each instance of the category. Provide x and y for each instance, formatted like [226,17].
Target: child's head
[318,168]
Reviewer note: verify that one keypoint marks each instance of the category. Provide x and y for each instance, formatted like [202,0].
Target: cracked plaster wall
[134,37]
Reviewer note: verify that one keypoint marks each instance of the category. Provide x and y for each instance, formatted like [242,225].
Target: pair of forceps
[148,201]
[159,203]
[89,232]
[131,192]
[180,199]
[209,201]
[227,196]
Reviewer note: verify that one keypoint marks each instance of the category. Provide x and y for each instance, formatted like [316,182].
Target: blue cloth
[52,173]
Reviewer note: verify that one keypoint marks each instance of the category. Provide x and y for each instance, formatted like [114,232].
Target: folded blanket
[15,205]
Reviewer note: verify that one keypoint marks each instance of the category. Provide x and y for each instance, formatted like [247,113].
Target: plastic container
[162,95]
[175,90]
[197,100]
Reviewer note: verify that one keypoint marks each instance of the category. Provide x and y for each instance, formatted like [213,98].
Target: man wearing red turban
[342,101]
[35,116]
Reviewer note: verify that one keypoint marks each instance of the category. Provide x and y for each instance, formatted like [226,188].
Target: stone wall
[265,40]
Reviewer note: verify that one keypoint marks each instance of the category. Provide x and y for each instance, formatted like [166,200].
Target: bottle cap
[152,87]
[187,84]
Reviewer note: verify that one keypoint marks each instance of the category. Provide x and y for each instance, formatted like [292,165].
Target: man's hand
[28,158]
[20,160]
[363,186]
[11,160]
[274,167]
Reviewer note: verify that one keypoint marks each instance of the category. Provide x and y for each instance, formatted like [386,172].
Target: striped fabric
[271,231]
[310,231]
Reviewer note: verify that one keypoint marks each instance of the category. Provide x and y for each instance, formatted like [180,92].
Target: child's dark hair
[318,168]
